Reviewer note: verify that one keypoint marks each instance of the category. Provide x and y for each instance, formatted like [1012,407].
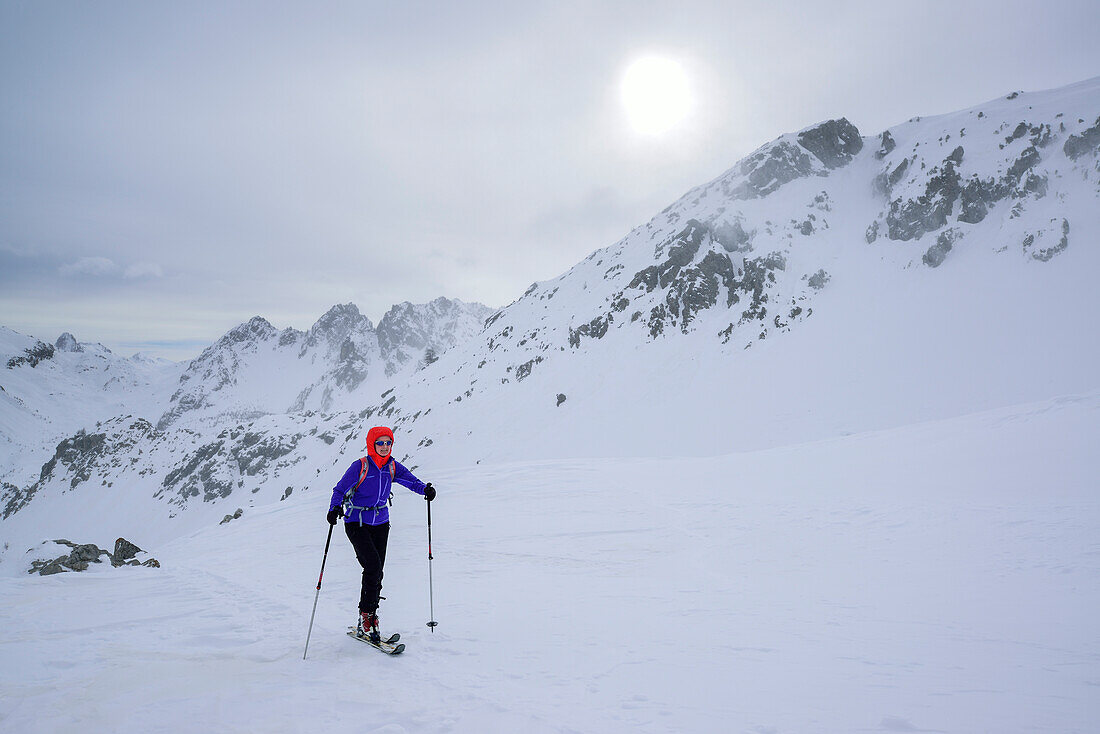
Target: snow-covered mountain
[831,417]
[186,431]
[256,369]
[50,391]
[827,284]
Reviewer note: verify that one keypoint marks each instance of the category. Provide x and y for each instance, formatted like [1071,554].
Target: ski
[391,640]
[387,646]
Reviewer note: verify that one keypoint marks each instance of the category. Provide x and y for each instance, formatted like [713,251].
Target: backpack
[363,467]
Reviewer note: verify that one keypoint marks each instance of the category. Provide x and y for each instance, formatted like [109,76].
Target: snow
[42,405]
[881,517]
[940,576]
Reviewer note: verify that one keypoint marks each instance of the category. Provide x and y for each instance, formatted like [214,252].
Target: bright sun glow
[656,95]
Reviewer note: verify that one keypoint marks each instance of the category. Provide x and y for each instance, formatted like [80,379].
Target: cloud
[97,267]
[104,267]
[144,270]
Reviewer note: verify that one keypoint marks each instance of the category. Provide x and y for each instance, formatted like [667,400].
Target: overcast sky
[169,170]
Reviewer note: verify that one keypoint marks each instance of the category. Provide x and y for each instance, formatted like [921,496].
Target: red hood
[373,435]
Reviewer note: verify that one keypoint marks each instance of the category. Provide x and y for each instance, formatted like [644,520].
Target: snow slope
[827,284]
[813,450]
[937,577]
[67,386]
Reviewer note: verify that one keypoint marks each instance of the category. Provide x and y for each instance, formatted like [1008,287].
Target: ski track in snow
[938,577]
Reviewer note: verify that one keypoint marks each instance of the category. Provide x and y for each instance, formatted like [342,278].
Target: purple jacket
[369,504]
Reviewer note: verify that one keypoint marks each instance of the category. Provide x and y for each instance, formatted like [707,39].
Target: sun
[656,94]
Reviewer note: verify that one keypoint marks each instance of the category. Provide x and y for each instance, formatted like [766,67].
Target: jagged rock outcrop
[738,260]
[33,356]
[931,192]
[67,343]
[81,556]
[1086,143]
[694,272]
[340,353]
[813,152]
[835,142]
[407,331]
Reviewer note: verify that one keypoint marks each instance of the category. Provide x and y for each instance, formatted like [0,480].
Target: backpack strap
[363,475]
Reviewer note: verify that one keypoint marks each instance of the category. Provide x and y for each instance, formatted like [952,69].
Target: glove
[334,513]
[429,492]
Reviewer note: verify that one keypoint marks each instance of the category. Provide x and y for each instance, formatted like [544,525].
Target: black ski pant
[369,542]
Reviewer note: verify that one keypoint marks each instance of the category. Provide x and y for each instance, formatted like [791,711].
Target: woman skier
[361,497]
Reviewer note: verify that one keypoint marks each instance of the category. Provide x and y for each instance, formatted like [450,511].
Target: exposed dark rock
[524,370]
[909,219]
[821,202]
[81,556]
[975,198]
[199,474]
[1041,135]
[897,174]
[697,288]
[1019,132]
[33,356]
[834,143]
[1045,254]
[936,254]
[255,329]
[759,273]
[78,454]
[886,145]
[818,280]
[1027,160]
[235,516]
[769,169]
[254,452]
[872,232]
[124,551]
[1034,184]
[682,249]
[561,398]
[1086,143]
[733,237]
[658,316]
[67,343]
[596,328]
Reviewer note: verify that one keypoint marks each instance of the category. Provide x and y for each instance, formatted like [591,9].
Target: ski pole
[318,596]
[431,593]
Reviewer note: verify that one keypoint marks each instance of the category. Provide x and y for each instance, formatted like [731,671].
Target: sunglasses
[383,443]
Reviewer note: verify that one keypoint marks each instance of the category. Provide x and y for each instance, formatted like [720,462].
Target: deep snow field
[941,577]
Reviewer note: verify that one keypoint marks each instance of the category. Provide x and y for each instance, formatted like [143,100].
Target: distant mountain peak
[255,329]
[68,343]
[341,317]
[792,298]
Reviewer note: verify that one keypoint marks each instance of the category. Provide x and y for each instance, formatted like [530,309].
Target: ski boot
[368,627]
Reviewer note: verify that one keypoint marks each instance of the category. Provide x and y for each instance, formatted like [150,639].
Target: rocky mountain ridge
[317,367]
[727,316]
